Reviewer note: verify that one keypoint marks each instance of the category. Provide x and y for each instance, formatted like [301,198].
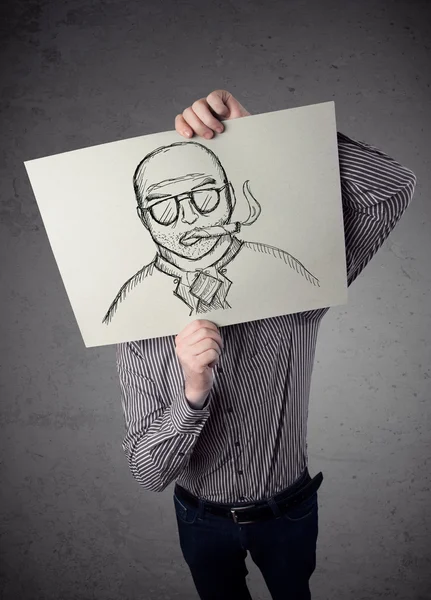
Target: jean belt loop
[305,476]
[201,509]
[274,507]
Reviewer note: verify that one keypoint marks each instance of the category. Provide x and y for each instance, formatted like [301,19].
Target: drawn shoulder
[131,283]
[284,256]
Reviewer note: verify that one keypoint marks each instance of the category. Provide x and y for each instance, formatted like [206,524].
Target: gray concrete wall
[74,524]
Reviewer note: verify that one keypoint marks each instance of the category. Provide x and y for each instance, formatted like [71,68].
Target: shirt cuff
[188,420]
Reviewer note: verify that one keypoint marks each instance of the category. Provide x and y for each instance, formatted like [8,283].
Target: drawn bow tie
[203,285]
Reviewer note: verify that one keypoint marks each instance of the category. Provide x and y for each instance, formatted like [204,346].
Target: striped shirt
[249,441]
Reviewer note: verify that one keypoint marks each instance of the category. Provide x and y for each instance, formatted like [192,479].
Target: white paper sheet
[261,235]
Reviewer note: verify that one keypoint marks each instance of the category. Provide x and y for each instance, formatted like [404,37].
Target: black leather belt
[249,513]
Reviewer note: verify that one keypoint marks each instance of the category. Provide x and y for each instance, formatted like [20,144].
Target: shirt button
[237,444]
[242,498]
[229,409]
[240,473]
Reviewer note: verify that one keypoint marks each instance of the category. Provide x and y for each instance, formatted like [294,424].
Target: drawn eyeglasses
[166,211]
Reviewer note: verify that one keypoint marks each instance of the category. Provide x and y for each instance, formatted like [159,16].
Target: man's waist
[243,512]
[254,483]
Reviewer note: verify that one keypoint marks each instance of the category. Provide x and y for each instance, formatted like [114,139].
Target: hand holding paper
[198,348]
[202,117]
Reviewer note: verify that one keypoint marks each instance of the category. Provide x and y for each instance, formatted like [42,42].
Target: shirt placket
[233,420]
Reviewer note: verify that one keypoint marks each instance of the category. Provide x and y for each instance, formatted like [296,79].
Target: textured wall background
[74,524]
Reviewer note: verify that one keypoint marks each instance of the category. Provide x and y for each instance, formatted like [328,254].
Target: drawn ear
[141,216]
[232,195]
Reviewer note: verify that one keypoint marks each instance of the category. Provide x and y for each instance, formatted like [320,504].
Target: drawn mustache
[193,236]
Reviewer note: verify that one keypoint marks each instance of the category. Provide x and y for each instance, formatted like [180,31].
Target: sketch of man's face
[168,212]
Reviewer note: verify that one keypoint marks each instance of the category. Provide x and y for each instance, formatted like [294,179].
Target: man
[224,412]
[189,217]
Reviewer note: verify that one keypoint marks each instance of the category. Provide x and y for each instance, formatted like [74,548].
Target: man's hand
[202,117]
[198,348]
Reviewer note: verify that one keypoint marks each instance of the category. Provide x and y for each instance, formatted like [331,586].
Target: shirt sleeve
[376,191]
[160,432]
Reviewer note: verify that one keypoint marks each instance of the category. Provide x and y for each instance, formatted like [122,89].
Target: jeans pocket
[185,513]
[302,511]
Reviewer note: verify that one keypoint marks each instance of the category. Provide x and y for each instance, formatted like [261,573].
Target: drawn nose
[188,213]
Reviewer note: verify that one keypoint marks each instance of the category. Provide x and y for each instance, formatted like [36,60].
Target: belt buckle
[235,516]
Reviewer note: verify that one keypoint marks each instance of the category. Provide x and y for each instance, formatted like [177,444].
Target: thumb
[225,105]
[217,102]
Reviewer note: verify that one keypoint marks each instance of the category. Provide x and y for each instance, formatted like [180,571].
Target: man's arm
[162,432]
[160,436]
[376,191]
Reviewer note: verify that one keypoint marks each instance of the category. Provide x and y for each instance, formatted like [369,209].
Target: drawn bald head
[179,188]
[171,164]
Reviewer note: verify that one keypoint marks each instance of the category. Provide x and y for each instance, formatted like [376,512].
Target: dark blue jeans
[284,549]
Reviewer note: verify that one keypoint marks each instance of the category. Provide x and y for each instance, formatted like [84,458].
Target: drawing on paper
[190,219]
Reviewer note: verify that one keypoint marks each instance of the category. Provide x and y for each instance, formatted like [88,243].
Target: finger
[204,345]
[216,101]
[194,359]
[196,124]
[182,127]
[202,334]
[234,108]
[210,357]
[188,354]
[202,110]
[194,326]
